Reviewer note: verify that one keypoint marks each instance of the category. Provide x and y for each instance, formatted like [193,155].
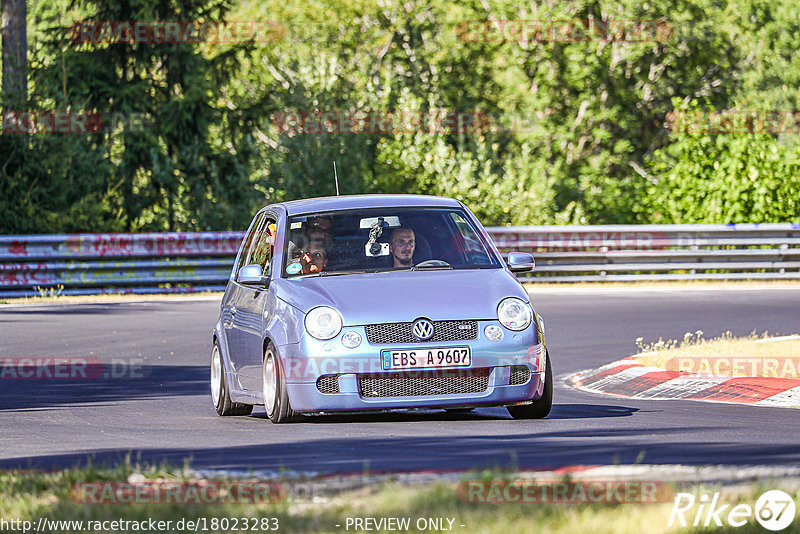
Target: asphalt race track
[157,406]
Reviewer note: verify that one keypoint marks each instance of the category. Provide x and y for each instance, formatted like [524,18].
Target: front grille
[519,375]
[328,384]
[423,383]
[396,333]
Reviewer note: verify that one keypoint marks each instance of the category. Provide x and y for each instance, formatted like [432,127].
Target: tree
[178,153]
[576,121]
[15,52]
[728,172]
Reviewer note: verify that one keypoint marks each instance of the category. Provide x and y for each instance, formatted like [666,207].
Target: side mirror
[251,274]
[520,262]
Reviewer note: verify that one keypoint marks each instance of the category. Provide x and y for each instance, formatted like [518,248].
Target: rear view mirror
[520,262]
[388,222]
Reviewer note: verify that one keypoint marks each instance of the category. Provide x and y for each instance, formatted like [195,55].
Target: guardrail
[201,261]
[85,264]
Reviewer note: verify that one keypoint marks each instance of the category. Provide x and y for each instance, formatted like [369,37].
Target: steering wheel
[432,263]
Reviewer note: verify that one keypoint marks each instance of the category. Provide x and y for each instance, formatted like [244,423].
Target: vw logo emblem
[422,329]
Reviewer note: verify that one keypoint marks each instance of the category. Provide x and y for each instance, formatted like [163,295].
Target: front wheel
[220,395]
[276,398]
[540,408]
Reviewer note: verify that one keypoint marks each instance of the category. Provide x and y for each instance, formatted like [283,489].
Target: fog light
[351,339]
[493,332]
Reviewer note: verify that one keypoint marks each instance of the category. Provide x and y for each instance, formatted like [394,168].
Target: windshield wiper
[432,268]
[337,273]
[324,273]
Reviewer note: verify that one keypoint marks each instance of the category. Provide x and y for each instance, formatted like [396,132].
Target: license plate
[426,358]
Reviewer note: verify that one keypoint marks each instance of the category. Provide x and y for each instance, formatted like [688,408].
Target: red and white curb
[628,378]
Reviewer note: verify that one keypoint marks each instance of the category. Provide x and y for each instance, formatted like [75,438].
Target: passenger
[402,245]
[314,258]
[315,230]
[318,229]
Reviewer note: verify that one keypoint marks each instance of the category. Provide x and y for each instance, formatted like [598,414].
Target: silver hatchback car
[376,302]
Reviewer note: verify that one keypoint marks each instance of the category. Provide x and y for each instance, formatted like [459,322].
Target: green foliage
[159,162]
[577,128]
[724,178]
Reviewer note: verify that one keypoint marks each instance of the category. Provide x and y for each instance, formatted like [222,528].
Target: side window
[248,242]
[264,246]
[472,245]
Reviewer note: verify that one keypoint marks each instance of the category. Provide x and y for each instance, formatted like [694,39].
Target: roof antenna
[336,178]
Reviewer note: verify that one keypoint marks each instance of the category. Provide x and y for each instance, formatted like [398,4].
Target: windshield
[381,239]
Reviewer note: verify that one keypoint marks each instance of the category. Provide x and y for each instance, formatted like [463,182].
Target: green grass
[29,495]
[694,348]
[50,292]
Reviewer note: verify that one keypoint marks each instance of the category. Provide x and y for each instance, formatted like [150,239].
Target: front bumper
[346,371]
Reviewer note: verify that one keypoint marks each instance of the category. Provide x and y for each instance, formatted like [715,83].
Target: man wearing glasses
[318,230]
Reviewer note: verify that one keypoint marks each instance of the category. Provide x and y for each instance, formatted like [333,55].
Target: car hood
[402,296]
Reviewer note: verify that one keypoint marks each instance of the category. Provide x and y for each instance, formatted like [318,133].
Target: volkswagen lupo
[376,302]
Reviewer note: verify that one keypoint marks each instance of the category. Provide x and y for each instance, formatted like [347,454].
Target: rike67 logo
[774,510]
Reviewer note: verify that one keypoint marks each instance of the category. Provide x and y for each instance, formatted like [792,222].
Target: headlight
[514,314]
[323,322]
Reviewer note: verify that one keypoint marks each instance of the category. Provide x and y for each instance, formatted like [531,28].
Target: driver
[401,246]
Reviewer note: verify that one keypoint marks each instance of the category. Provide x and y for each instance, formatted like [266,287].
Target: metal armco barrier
[657,252]
[201,261]
[85,264]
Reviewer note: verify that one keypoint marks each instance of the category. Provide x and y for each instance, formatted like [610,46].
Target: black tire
[540,408]
[221,397]
[273,386]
